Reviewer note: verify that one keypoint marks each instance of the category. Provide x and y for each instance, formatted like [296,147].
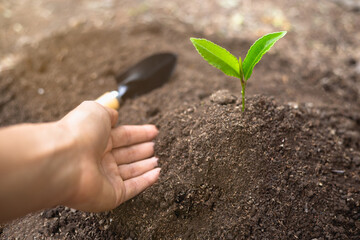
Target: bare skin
[82,161]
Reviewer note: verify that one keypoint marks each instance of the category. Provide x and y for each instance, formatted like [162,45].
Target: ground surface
[286,168]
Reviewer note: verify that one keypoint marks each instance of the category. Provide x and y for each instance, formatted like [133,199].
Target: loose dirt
[272,172]
[288,167]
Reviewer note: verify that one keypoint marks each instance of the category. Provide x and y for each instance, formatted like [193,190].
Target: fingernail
[153,128]
[156,161]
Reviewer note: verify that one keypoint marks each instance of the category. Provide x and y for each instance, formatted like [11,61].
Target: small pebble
[356,160]
[293,105]
[357,224]
[7,13]
[338,171]
[18,27]
[41,91]
[223,97]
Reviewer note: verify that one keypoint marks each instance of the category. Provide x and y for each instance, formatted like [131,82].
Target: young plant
[222,59]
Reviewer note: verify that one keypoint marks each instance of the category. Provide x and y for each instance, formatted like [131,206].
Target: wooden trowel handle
[109,99]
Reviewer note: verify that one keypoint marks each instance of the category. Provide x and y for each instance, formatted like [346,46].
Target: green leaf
[258,49]
[217,56]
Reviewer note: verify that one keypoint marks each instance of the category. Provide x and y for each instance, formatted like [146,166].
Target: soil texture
[286,168]
[273,171]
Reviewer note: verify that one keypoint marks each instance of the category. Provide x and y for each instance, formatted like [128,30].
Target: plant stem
[243,83]
[243,96]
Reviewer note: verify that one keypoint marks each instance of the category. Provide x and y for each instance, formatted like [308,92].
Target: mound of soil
[272,172]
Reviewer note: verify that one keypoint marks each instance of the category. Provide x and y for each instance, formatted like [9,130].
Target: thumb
[114,115]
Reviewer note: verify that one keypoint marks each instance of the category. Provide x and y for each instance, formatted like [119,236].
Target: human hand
[112,164]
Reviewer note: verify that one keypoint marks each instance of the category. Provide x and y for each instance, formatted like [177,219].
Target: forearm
[34,168]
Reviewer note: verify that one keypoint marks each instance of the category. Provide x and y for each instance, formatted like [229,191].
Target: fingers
[138,184]
[133,153]
[128,135]
[135,169]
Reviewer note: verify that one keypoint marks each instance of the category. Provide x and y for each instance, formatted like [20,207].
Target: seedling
[222,59]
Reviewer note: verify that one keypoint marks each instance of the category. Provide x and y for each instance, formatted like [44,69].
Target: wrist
[64,162]
[37,168]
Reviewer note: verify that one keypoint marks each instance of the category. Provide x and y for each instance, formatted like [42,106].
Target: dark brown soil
[271,172]
[286,168]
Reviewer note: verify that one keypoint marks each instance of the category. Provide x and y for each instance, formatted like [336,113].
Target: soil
[271,172]
[286,168]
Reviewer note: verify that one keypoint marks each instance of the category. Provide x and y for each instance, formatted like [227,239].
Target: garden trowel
[150,73]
